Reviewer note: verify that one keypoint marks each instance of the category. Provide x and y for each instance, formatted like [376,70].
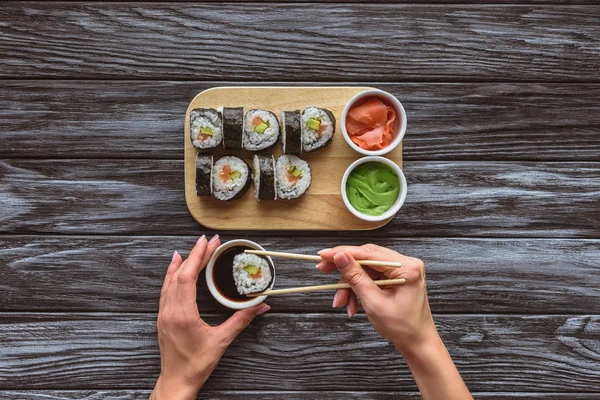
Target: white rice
[311,140]
[255,141]
[204,118]
[246,284]
[291,190]
[227,190]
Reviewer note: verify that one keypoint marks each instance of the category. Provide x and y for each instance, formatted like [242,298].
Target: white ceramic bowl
[401,196]
[399,123]
[236,305]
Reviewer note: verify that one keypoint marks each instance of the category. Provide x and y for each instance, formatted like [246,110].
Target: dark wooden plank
[527,276]
[272,395]
[474,121]
[343,42]
[444,199]
[302,352]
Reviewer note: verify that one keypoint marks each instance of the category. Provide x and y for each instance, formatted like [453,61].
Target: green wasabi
[372,188]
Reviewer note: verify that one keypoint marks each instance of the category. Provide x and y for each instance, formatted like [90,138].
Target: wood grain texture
[322,207]
[302,352]
[395,42]
[444,199]
[446,121]
[271,395]
[526,276]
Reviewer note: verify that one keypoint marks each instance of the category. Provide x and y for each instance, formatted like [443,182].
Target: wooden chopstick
[377,263]
[333,286]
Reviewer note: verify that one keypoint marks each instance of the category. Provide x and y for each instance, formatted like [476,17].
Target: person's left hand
[190,348]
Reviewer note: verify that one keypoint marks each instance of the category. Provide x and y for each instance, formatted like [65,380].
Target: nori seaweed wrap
[233,128]
[291,139]
[264,177]
[204,164]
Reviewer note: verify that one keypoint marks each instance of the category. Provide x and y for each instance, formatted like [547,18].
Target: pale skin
[190,349]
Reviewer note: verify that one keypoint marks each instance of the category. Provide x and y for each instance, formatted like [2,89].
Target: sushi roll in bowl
[318,127]
[261,130]
[230,178]
[205,128]
[251,273]
[293,177]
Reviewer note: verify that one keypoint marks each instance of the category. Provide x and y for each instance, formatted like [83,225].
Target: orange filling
[225,173]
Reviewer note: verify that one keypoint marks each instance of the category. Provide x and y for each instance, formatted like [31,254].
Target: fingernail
[213,239]
[334,304]
[322,251]
[341,260]
[318,266]
[175,254]
[263,309]
[201,239]
[348,311]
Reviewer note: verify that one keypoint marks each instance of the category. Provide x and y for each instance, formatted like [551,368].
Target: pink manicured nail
[201,239]
[341,260]
[319,265]
[263,309]
[213,239]
[335,298]
[322,251]
[349,311]
[175,254]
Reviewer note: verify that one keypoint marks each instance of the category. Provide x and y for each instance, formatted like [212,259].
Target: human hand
[400,313]
[190,348]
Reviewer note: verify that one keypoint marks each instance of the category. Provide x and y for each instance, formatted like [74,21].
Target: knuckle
[370,248]
[355,277]
[183,278]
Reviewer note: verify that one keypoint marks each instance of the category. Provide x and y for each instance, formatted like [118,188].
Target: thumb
[360,282]
[240,320]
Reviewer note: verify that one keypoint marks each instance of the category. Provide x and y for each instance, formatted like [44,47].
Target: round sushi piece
[233,127]
[205,128]
[261,130]
[251,273]
[291,138]
[318,127]
[230,178]
[204,164]
[263,167]
[293,177]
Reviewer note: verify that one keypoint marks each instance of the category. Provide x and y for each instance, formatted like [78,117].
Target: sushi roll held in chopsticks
[318,127]
[263,167]
[293,177]
[251,273]
[204,163]
[233,127]
[205,128]
[291,138]
[261,130]
[230,178]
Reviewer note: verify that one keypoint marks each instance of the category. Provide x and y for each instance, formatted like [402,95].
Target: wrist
[428,341]
[174,390]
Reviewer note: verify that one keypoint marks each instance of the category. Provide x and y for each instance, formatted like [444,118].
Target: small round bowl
[236,305]
[399,201]
[399,123]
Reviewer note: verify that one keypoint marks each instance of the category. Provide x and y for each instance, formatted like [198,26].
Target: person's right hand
[400,313]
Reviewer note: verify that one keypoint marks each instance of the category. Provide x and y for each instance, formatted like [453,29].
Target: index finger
[364,252]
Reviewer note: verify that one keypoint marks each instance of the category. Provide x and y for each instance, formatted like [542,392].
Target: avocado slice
[296,172]
[206,131]
[251,269]
[313,124]
[260,128]
[235,174]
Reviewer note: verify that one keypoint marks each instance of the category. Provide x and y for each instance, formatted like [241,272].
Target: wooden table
[502,155]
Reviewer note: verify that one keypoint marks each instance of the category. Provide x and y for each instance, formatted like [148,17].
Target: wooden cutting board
[321,208]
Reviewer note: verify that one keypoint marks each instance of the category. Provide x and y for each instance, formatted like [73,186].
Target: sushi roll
[230,178]
[205,128]
[251,273]
[293,177]
[291,138]
[318,127]
[264,177]
[204,164]
[261,130]
[233,128]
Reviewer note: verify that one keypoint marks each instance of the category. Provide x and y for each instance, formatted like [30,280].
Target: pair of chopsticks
[334,286]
